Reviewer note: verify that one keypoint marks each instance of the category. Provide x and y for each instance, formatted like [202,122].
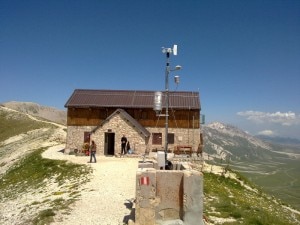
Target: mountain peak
[216,125]
[224,140]
[49,113]
[228,129]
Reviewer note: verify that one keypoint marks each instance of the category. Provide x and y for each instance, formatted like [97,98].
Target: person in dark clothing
[93,149]
[123,144]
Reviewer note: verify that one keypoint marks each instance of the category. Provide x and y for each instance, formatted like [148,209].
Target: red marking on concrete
[144,181]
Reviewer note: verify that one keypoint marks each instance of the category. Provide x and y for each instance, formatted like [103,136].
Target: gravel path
[106,199]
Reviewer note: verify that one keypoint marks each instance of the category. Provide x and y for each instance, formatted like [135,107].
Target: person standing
[123,144]
[127,147]
[93,149]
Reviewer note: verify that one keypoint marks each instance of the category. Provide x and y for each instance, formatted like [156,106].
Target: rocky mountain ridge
[272,166]
[226,141]
[34,109]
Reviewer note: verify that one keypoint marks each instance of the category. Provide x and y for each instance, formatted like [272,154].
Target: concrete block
[152,155]
[146,164]
[161,159]
[169,188]
[146,199]
[145,185]
[145,216]
[155,165]
[193,197]
[169,197]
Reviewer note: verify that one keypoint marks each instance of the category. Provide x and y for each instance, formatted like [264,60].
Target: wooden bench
[183,149]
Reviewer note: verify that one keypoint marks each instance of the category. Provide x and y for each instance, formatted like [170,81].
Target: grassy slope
[12,124]
[227,198]
[280,178]
[31,176]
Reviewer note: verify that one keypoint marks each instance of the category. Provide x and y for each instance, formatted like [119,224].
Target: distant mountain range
[223,141]
[48,113]
[272,164]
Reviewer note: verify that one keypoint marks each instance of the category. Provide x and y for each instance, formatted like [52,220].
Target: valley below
[280,178]
[273,167]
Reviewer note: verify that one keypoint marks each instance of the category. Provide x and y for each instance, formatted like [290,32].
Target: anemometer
[158,95]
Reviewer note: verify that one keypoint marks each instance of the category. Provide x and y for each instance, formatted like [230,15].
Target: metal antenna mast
[168,51]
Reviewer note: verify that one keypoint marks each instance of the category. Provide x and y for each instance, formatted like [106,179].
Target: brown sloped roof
[85,98]
[127,117]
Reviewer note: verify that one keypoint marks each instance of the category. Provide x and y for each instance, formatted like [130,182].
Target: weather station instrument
[158,96]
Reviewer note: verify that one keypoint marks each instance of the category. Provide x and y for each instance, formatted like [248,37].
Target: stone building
[106,115]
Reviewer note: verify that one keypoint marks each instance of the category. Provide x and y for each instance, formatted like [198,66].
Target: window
[156,138]
[171,138]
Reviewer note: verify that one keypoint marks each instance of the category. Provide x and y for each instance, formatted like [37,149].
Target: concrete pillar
[146,199]
[167,197]
[169,184]
[193,197]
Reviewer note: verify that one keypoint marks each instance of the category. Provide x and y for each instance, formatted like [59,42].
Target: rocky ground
[107,198]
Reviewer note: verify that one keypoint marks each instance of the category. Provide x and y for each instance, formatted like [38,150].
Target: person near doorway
[128,147]
[123,144]
[93,149]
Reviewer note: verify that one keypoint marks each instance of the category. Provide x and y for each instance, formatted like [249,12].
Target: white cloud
[267,133]
[283,118]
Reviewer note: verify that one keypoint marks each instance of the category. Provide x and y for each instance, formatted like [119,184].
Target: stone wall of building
[75,136]
[139,143]
[119,126]
[182,137]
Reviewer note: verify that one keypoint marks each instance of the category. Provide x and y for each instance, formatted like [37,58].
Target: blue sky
[242,56]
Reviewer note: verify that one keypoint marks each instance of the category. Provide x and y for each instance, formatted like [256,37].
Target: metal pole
[167,105]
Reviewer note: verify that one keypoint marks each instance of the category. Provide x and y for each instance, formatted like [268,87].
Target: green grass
[34,173]
[280,178]
[227,198]
[12,124]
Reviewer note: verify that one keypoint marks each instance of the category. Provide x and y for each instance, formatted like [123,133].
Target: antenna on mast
[175,50]
[170,50]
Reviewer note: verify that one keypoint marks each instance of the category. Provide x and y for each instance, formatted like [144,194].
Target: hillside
[274,167]
[21,133]
[34,109]
[32,187]
[229,198]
